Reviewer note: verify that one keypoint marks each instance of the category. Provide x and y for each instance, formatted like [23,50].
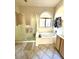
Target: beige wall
[41,29]
[32,15]
[59,11]
[17,9]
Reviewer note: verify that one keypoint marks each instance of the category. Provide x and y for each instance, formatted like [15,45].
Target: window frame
[46,18]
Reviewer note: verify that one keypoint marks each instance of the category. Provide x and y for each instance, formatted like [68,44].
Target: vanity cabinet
[45,38]
[60,45]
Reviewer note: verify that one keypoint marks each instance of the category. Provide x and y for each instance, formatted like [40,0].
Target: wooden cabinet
[60,45]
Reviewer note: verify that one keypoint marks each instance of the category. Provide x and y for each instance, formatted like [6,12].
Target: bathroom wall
[42,29]
[32,15]
[20,32]
[59,11]
[17,9]
[19,19]
[19,22]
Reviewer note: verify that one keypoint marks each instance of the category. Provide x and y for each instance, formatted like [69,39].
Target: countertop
[62,36]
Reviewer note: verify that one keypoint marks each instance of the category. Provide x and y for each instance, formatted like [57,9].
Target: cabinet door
[62,47]
[58,42]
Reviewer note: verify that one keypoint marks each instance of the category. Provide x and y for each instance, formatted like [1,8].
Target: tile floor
[30,51]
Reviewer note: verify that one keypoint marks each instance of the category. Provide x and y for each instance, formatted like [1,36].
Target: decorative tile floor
[30,51]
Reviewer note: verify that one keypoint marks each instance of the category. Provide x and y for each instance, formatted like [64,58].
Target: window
[45,19]
[42,22]
[48,22]
[45,22]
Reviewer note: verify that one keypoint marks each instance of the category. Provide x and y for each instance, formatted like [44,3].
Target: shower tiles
[30,51]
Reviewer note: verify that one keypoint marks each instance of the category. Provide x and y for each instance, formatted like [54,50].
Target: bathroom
[35,32]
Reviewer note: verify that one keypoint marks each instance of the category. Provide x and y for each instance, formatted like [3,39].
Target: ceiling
[37,3]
